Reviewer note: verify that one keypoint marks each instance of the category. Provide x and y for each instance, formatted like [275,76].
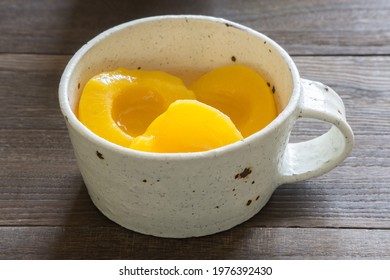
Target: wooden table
[45,211]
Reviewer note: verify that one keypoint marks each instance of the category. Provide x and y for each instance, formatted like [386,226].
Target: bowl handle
[315,157]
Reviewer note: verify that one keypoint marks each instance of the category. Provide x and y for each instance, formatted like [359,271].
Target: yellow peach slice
[119,105]
[187,126]
[240,93]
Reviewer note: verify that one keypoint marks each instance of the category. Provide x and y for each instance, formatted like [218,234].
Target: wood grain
[41,185]
[45,210]
[239,243]
[364,80]
[302,27]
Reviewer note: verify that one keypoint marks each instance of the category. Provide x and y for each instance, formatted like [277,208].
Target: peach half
[187,126]
[239,92]
[120,105]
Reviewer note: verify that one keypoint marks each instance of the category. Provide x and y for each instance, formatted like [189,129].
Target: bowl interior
[185,46]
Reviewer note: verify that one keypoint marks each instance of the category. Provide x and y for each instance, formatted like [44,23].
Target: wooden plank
[29,88]
[302,27]
[238,243]
[40,183]
[34,102]
[363,84]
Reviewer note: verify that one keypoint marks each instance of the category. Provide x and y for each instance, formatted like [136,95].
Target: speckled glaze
[194,194]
